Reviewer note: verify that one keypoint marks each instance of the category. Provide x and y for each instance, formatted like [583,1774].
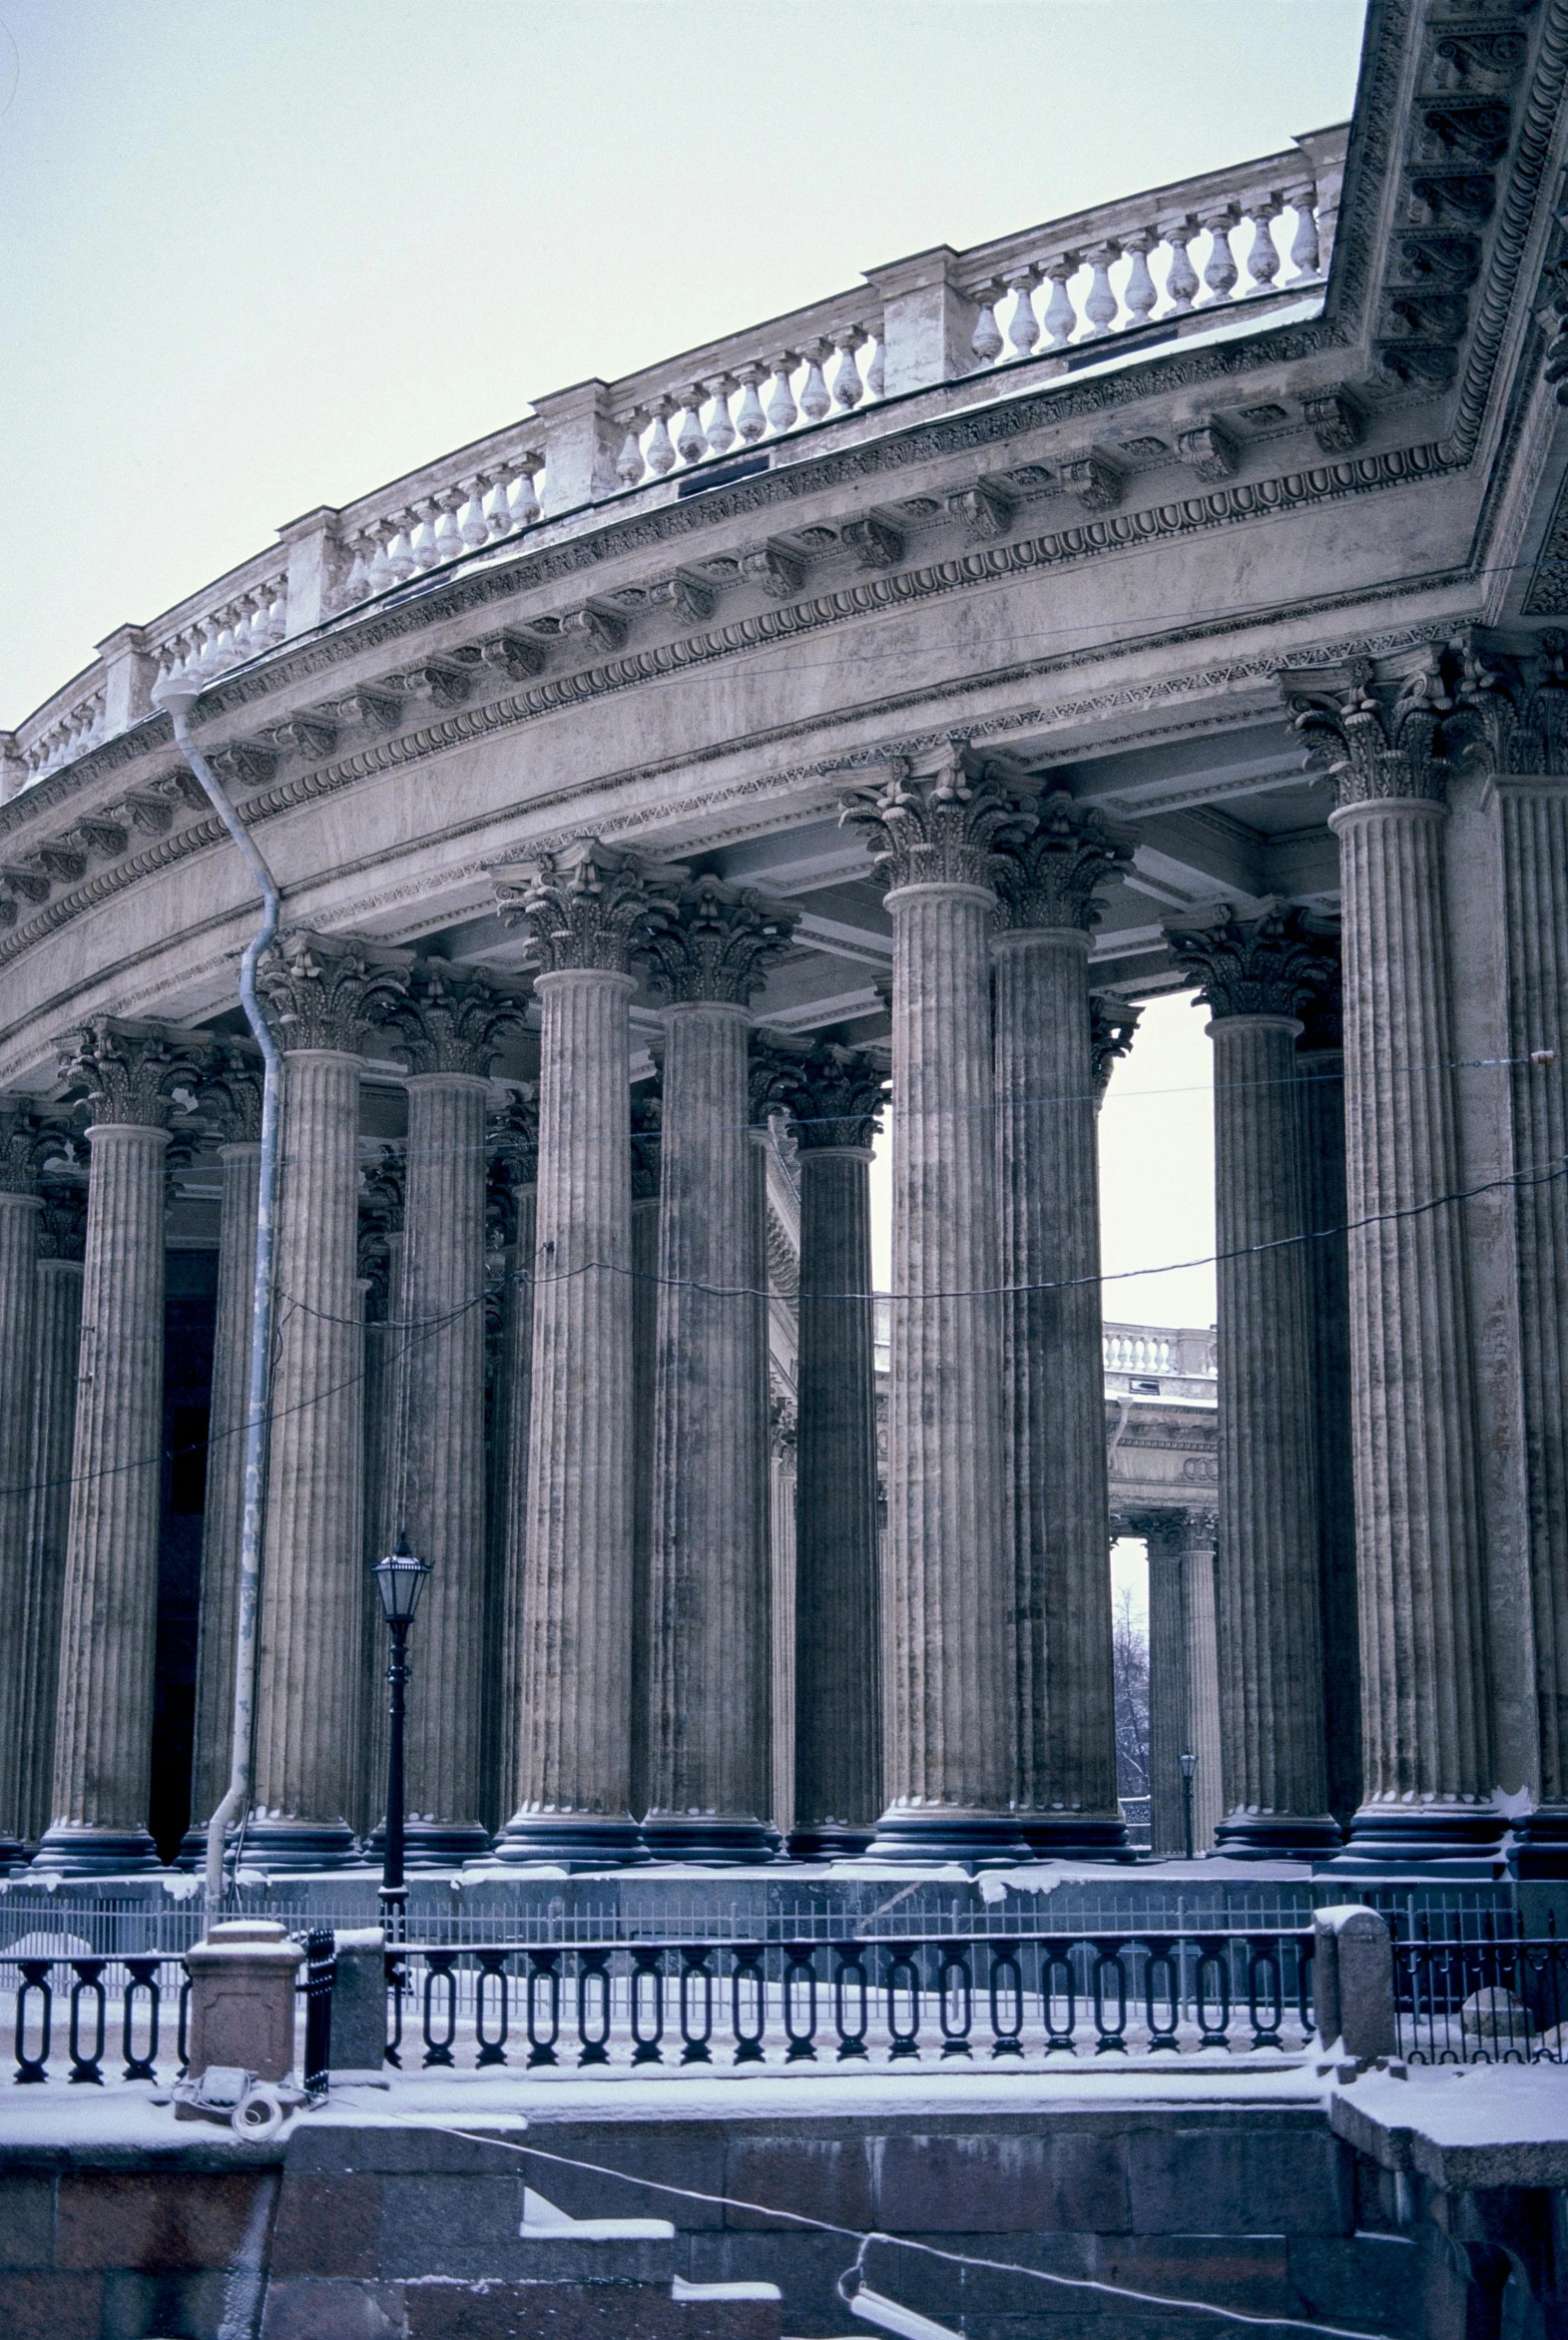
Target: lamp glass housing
[1189,1765]
[400,1580]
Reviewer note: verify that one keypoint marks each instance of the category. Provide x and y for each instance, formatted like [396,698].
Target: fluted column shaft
[514,1431]
[56,1341]
[1209,1794]
[573,1783]
[1165,1541]
[224,1509]
[1050,1252]
[645,1351]
[20,1215]
[104,1725]
[948,1591]
[308,1706]
[837,1637]
[1271,1651]
[1321,1095]
[443,1460]
[386,1347]
[710,1589]
[1423,1630]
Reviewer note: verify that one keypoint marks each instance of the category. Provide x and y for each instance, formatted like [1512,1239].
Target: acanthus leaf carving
[1256,966]
[588,906]
[1113,1024]
[713,943]
[1053,862]
[326,991]
[454,1020]
[940,828]
[127,1072]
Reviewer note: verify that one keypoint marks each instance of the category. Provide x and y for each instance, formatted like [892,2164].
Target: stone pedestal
[56,1340]
[104,1725]
[242,2000]
[950,1584]
[1252,974]
[709,1646]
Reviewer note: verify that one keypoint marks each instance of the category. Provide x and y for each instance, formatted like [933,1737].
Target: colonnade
[593,1662]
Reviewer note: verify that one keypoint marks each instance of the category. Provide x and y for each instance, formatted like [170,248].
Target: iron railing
[1491,1996]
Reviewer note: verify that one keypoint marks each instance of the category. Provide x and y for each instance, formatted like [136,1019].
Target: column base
[569,1840]
[430,1844]
[936,1837]
[706,1837]
[68,1851]
[1277,1836]
[830,1842]
[1074,1836]
[285,1845]
[14,1855]
[1388,1839]
[1540,1843]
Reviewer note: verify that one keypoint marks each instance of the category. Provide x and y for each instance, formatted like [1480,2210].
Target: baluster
[1005,1983]
[35,1984]
[1220,269]
[1162,1987]
[382,574]
[1139,294]
[1305,256]
[1180,277]
[955,1999]
[492,1967]
[815,399]
[1061,318]
[1111,2029]
[647,1989]
[696,1993]
[1023,326]
[280,611]
[986,339]
[721,430]
[399,553]
[357,582]
[143,1984]
[850,1980]
[660,450]
[89,1983]
[783,413]
[474,528]
[448,536]
[440,1966]
[749,419]
[628,464]
[1211,1971]
[1263,259]
[1056,1962]
[1305,1993]
[396,1986]
[544,1989]
[690,440]
[1102,307]
[523,500]
[223,652]
[749,1980]
[593,2005]
[423,542]
[876,380]
[497,510]
[848,389]
[800,1979]
[1262,1965]
[903,1976]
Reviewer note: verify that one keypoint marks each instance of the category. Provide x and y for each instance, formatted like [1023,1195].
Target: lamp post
[1189,1765]
[400,1580]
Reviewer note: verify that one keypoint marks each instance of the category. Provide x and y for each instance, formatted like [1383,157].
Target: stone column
[1202,1676]
[56,1339]
[1426,1719]
[231,1102]
[647,1106]
[837,1608]
[449,1028]
[1170,1723]
[586,913]
[514,1143]
[382,1190]
[709,1651]
[1049,879]
[1319,1072]
[103,1724]
[323,996]
[23,1131]
[950,1587]
[782,1614]
[1252,974]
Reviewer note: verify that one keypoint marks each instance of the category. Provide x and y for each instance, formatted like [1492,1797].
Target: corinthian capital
[512,1136]
[323,991]
[1251,966]
[1112,1024]
[1050,871]
[127,1072]
[838,1099]
[586,906]
[939,829]
[715,943]
[1510,705]
[229,1095]
[1378,738]
[453,1020]
[30,1133]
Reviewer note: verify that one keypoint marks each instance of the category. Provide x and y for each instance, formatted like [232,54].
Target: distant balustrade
[766,398]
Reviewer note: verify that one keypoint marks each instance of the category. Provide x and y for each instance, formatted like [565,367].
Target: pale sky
[261,257]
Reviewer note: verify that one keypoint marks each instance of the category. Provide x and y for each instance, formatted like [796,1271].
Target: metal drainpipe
[178,698]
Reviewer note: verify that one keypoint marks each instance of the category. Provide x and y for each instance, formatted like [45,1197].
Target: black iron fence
[1494,1997]
[950,1999]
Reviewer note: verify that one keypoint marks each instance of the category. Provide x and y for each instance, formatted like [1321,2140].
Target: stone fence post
[1352,1981]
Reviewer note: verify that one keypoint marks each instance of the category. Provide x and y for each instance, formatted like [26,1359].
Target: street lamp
[400,1580]
[1189,1765]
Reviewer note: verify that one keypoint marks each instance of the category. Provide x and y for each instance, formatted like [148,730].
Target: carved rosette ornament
[1266,965]
[327,993]
[1113,1023]
[940,828]
[455,1022]
[838,1099]
[713,944]
[127,1073]
[586,906]
[1052,874]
